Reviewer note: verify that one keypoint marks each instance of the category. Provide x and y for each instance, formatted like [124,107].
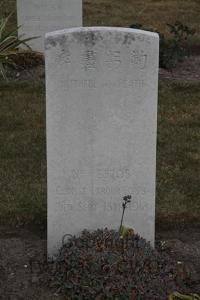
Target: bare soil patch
[188,69]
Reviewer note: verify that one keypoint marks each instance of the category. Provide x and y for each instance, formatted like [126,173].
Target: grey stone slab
[37,17]
[101,86]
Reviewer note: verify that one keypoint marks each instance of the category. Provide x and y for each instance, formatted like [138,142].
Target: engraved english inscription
[92,83]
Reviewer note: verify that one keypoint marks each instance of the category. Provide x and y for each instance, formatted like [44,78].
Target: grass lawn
[178,151]
[23,159]
[22,152]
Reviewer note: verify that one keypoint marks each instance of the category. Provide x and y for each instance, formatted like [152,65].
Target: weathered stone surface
[38,17]
[101,129]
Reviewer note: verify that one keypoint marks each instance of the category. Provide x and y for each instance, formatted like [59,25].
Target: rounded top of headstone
[101,29]
[97,33]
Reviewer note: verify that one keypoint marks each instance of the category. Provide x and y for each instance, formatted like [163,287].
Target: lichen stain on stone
[50,42]
[87,38]
[60,40]
[90,38]
[128,39]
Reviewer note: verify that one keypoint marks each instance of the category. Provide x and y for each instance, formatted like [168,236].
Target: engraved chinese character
[113,59]
[89,60]
[65,56]
[138,58]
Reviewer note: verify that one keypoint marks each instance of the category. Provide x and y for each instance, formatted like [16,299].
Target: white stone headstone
[101,86]
[37,17]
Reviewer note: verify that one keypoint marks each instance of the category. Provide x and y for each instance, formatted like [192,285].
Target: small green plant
[108,264]
[177,295]
[101,265]
[173,50]
[9,44]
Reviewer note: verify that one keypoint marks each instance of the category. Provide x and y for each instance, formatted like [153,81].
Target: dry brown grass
[151,13]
